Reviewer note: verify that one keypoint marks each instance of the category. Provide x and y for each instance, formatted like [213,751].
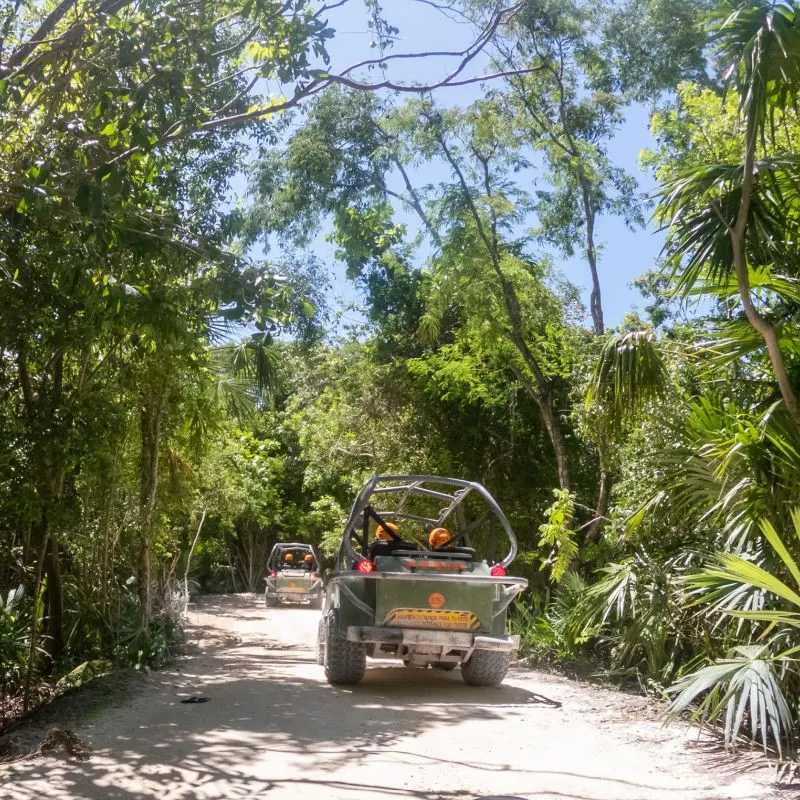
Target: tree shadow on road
[274,728]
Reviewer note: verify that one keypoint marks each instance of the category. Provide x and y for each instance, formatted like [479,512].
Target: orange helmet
[288,557]
[308,557]
[383,534]
[439,537]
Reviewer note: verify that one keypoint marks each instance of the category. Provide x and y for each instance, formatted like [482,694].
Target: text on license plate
[429,618]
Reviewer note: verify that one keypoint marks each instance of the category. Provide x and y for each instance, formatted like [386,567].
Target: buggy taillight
[498,571]
[313,575]
[273,574]
[364,565]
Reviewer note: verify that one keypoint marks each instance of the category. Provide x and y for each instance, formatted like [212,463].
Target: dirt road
[273,729]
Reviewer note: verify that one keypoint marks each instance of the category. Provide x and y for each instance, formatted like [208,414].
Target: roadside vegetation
[178,391]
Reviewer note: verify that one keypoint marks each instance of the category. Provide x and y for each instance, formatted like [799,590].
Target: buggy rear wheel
[270,600]
[321,635]
[486,667]
[345,661]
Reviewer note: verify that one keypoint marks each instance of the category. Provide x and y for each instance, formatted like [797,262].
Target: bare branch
[234,47]
[450,11]
[428,87]
[43,32]
[247,89]
[330,7]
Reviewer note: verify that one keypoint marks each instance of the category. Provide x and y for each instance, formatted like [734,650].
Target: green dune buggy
[293,576]
[416,580]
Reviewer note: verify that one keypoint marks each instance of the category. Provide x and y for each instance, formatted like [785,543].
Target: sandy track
[275,729]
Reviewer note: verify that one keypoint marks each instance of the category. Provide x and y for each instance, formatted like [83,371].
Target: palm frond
[746,684]
[246,371]
[734,587]
[731,340]
[629,373]
[734,570]
[736,466]
[700,206]
[759,42]
[761,279]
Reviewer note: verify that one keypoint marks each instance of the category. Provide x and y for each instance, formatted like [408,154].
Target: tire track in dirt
[275,730]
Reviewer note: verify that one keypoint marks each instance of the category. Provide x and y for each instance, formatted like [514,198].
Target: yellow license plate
[429,618]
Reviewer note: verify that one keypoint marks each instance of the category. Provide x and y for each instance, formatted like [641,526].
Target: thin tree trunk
[539,386]
[151,440]
[551,426]
[189,560]
[763,327]
[55,599]
[756,320]
[595,299]
[34,629]
[603,493]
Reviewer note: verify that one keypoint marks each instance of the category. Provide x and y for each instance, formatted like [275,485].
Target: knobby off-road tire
[321,635]
[486,668]
[270,600]
[316,602]
[345,662]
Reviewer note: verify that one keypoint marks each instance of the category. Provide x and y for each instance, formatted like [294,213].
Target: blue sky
[624,254]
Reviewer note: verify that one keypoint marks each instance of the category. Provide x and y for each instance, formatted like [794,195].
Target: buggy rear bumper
[295,593]
[411,637]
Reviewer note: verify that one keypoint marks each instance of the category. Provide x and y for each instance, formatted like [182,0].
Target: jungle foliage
[178,391]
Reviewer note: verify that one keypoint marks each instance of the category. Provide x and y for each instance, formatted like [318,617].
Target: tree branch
[45,29]
[412,192]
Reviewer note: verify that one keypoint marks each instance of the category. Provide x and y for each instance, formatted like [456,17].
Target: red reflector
[273,574]
[365,566]
[313,575]
[498,571]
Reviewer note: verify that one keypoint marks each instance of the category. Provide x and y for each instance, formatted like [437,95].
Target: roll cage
[275,561]
[452,492]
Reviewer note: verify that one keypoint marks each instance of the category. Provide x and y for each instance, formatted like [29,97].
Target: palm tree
[629,373]
[753,681]
[728,220]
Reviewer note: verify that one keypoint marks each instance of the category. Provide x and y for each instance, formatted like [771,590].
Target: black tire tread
[321,634]
[486,667]
[345,661]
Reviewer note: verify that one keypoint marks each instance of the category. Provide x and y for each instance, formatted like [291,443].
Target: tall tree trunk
[545,406]
[595,299]
[603,494]
[756,320]
[538,385]
[41,539]
[150,421]
[55,599]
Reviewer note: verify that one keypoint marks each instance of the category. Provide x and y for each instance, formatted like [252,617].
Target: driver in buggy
[439,537]
[387,540]
[308,562]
